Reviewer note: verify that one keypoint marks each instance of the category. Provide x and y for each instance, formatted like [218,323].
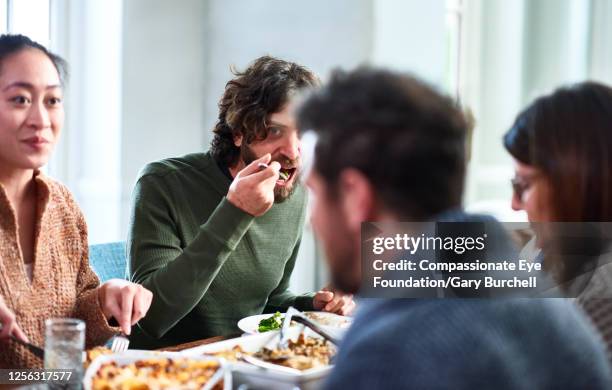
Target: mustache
[248,156]
[286,162]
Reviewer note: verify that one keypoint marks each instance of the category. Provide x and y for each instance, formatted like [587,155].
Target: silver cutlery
[118,343]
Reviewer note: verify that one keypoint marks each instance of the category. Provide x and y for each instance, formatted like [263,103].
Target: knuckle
[129,289]
[107,307]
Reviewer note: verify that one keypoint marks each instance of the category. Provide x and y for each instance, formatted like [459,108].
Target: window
[453,46]
[27,17]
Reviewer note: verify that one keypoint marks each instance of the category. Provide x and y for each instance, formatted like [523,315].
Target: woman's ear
[357,198]
[238,140]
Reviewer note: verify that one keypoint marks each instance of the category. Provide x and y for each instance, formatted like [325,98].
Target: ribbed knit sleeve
[178,277]
[281,298]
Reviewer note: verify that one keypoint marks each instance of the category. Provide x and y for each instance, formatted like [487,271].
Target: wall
[163,85]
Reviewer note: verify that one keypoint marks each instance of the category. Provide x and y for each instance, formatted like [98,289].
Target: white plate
[326,320]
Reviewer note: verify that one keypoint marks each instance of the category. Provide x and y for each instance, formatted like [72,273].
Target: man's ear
[238,140]
[356,197]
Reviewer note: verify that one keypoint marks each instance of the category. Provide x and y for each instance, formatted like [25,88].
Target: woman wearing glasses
[562,148]
[44,269]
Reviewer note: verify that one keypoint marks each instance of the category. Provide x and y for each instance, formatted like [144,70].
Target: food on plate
[93,353]
[303,354]
[275,321]
[231,355]
[156,373]
[271,323]
[326,319]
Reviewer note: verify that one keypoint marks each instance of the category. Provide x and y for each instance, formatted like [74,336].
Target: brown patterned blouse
[63,284]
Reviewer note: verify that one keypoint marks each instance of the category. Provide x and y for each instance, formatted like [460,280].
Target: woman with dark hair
[44,268]
[562,148]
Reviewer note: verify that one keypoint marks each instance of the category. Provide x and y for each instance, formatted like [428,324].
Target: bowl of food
[308,357]
[141,370]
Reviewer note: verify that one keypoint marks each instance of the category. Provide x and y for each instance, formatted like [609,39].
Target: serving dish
[258,377]
[169,369]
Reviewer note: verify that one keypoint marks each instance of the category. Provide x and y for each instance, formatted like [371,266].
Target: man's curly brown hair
[250,98]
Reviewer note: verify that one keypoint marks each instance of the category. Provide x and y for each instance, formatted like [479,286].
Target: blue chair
[108,260]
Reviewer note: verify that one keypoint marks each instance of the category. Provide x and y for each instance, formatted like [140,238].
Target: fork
[118,342]
[283,339]
[302,319]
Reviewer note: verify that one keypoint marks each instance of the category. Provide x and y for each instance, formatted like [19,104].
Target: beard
[342,251]
[343,274]
[281,193]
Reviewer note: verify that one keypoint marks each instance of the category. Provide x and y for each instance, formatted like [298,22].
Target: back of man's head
[407,139]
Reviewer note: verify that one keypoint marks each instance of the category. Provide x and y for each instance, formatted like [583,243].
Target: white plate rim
[249,324]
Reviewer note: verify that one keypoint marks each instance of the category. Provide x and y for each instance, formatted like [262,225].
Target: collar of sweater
[8,215]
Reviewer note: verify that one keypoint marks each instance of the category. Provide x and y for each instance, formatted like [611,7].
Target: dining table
[197,343]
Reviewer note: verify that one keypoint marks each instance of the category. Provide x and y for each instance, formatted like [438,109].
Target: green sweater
[207,262]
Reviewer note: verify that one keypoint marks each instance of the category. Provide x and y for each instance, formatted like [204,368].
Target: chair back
[108,260]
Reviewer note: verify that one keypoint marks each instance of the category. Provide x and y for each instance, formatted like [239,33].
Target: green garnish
[271,323]
[283,175]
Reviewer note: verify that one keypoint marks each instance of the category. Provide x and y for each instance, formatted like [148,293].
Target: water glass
[64,344]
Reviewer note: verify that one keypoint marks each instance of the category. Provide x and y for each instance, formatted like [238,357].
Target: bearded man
[215,235]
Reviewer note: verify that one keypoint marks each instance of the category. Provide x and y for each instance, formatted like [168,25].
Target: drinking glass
[64,343]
